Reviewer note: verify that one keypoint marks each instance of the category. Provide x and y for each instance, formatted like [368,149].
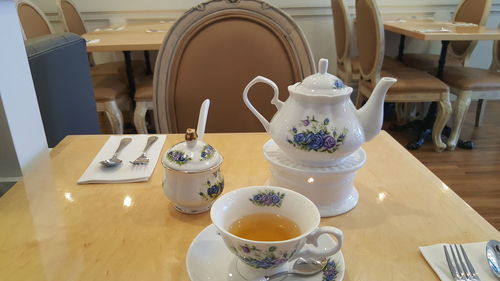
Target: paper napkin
[433,30]
[93,41]
[125,172]
[434,255]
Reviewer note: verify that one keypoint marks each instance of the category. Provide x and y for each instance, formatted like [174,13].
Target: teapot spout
[371,115]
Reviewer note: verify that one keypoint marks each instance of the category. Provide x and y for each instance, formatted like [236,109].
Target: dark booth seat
[61,76]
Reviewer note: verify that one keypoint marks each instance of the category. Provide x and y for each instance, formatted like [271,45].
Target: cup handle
[313,240]
[275,100]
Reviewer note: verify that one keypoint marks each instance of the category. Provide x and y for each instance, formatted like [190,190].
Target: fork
[461,269]
[143,158]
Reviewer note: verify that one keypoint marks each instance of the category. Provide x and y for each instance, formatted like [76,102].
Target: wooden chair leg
[140,117]
[443,115]
[481,105]
[115,116]
[461,108]
[359,98]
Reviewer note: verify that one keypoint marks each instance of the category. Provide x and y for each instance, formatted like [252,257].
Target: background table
[53,229]
[458,33]
[129,37]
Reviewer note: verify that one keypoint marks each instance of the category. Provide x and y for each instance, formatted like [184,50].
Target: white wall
[22,138]
[314,17]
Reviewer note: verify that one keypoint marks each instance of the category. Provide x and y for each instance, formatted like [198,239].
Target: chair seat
[427,61]
[144,89]
[390,63]
[117,68]
[471,78]
[411,81]
[108,88]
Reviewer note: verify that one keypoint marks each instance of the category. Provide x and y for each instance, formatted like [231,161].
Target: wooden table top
[409,28]
[53,229]
[129,37]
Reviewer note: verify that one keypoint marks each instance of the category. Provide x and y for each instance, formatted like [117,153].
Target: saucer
[209,259]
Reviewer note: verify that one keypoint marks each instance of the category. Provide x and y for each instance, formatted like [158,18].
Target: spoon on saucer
[493,256]
[113,161]
[302,266]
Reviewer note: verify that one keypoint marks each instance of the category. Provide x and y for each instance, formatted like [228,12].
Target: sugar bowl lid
[321,83]
[192,155]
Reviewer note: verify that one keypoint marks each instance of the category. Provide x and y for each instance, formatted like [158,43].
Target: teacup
[266,257]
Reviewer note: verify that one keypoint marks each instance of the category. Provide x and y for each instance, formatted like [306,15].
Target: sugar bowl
[192,178]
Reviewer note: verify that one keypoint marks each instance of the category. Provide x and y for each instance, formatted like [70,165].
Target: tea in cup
[267,226]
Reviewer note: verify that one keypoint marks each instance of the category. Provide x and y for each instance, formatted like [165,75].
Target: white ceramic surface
[193,193]
[330,188]
[208,259]
[318,125]
[267,256]
[191,156]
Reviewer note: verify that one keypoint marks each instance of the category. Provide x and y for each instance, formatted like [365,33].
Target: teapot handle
[275,100]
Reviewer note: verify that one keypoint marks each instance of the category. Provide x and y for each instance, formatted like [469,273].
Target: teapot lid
[321,83]
[192,155]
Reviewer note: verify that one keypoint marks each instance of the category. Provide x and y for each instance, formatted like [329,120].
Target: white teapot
[318,124]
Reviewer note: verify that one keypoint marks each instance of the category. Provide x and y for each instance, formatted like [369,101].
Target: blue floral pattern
[265,259]
[330,271]
[207,152]
[268,198]
[315,135]
[213,188]
[178,157]
[338,84]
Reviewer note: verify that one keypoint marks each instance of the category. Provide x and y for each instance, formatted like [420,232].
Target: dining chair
[33,20]
[213,51]
[412,85]
[73,22]
[495,67]
[347,64]
[470,83]
[470,11]
[143,103]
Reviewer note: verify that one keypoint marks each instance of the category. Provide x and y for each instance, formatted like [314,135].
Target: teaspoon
[493,257]
[113,161]
[302,266]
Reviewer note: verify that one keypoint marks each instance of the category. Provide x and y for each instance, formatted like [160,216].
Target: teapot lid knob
[323,66]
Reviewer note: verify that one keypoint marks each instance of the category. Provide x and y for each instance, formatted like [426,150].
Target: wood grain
[473,174]
[54,229]
[133,37]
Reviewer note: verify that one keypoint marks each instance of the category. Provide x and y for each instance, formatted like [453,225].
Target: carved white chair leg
[481,106]
[443,115]
[140,111]
[115,116]
[400,117]
[461,108]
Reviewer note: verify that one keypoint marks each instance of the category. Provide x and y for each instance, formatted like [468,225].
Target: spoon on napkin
[113,161]
[493,256]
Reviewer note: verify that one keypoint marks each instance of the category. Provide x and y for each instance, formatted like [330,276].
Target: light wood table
[127,38]
[457,33]
[53,229]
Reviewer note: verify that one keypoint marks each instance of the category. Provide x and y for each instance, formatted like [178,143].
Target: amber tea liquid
[265,227]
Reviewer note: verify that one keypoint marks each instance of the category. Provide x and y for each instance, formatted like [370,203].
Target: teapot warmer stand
[330,188]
